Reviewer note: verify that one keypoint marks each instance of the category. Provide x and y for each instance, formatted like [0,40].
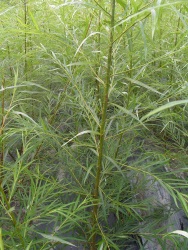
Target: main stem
[98,55]
[2,128]
[102,130]
[25,38]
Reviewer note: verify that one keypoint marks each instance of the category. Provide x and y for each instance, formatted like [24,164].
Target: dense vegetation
[93,117]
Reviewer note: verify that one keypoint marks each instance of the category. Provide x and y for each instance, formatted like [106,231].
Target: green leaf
[128,112]
[154,22]
[163,107]
[183,202]
[122,3]
[81,44]
[116,165]
[34,20]
[144,38]
[180,232]
[28,84]
[29,246]
[2,13]
[81,133]
[24,115]
[143,85]
[55,239]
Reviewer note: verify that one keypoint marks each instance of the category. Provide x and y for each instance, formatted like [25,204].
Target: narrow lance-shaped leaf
[29,246]
[24,85]
[34,20]
[180,232]
[122,3]
[154,21]
[2,13]
[94,33]
[128,112]
[81,133]
[24,115]
[144,38]
[143,85]
[56,239]
[148,10]
[163,107]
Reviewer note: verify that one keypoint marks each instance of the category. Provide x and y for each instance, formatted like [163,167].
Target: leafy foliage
[93,123]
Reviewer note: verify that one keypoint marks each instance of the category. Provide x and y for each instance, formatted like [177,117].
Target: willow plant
[103,124]
[92,132]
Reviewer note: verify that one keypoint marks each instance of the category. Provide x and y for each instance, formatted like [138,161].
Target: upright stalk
[9,57]
[98,54]
[102,130]
[130,39]
[25,37]
[2,127]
